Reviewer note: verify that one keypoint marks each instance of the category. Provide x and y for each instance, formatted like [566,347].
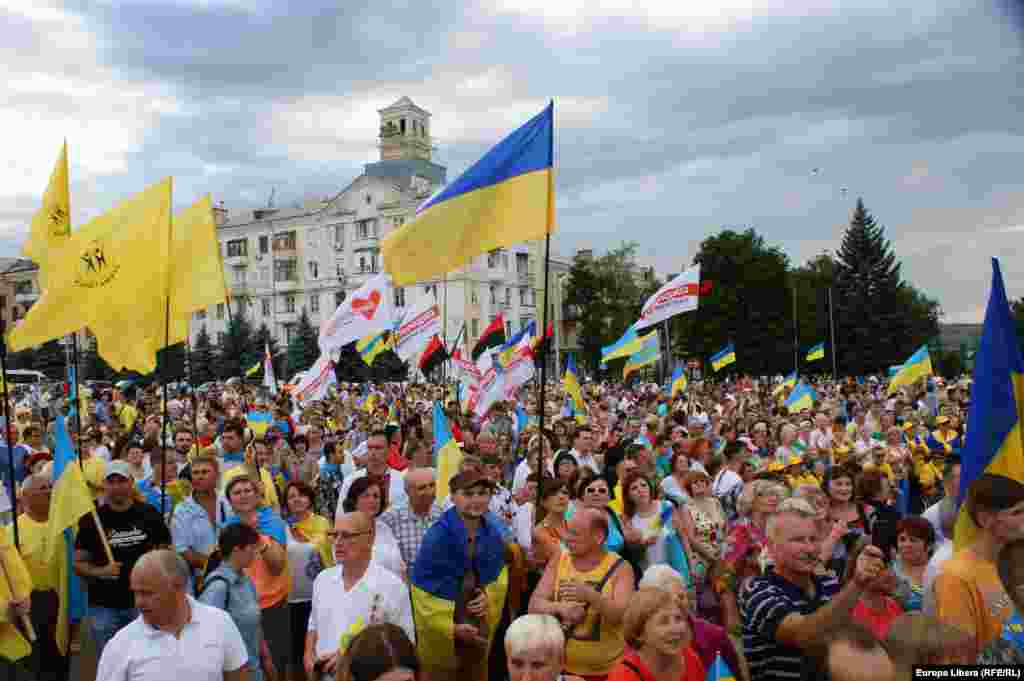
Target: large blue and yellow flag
[723,357]
[371,346]
[918,366]
[649,353]
[802,397]
[506,197]
[817,352]
[629,344]
[678,382]
[70,500]
[447,455]
[571,385]
[994,443]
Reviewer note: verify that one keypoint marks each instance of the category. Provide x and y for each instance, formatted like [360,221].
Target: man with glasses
[351,596]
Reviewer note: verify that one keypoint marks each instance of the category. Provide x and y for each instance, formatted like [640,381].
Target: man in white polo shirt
[175,638]
[354,594]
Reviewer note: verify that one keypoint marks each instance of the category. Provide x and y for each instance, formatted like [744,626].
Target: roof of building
[402,103]
[400,171]
[17,265]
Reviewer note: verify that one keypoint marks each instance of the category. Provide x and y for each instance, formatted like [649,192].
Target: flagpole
[193,398]
[542,401]
[796,335]
[78,400]
[7,434]
[832,333]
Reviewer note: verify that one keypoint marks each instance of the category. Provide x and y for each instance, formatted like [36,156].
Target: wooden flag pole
[30,631]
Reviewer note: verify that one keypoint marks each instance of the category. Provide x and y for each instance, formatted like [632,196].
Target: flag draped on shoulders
[995,443]
[111,276]
[505,198]
[51,224]
[436,582]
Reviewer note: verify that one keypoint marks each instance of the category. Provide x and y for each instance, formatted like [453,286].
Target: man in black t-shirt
[132,528]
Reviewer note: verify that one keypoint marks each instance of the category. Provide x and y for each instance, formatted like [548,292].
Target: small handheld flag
[720,670]
[817,352]
[723,357]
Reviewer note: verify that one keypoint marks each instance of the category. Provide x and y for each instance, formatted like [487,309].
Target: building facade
[278,262]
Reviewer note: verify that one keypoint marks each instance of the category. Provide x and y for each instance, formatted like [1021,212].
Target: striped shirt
[764,602]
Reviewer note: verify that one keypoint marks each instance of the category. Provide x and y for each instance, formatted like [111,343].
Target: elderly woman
[660,641]
[744,553]
[535,649]
[708,531]
[366,495]
[708,639]
[915,539]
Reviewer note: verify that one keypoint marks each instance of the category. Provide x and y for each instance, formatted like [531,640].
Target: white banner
[679,295]
[315,381]
[466,369]
[369,310]
[417,327]
[498,384]
[269,380]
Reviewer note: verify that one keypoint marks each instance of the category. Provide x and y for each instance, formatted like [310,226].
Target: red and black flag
[433,356]
[543,344]
[492,337]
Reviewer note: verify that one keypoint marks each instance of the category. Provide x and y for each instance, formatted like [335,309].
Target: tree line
[771,310]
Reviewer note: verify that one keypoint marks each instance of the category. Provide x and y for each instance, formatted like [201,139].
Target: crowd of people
[652,537]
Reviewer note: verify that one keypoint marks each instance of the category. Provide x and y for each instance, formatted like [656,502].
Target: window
[314,270]
[339,236]
[369,199]
[289,304]
[523,295]
[476,327]
[474,298]
[238,248]
[313,238]
[264,274]
[366,229]
[238,273]
[264,245]
[399,221]
[314,302]
[492,259]
[508,296]
[522,263]
[339,298]
[285,270]
[220,338]
[289,331]
[494,294]
[23,288]
[266,307]
[285,241]
[508,328]
[399,297]
[339,270]
[362,263]
[373,262]
[220,311]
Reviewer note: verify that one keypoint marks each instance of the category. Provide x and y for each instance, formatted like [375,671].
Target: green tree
[749,305]
[304,348]
[879,319]
[264,339]
[94,367]
[1017,308]
[170,363]
[604,296]
[203,358]
[237,353]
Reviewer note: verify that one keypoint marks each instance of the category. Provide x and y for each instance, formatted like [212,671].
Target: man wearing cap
[132,528]
[459,584]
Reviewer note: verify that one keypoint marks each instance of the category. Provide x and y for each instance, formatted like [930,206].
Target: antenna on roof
[270,200]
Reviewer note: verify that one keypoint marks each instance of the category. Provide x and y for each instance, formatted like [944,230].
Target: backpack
[218,578]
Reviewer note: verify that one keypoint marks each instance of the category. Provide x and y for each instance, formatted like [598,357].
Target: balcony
[287,317]
[363,243]
[236,260]
[282,285]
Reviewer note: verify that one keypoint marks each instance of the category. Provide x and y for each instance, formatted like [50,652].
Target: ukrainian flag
[571,385]
[259,422]
[629,344]
[788,382]
[918,366]
[255,369]
[650,352]
[723,357]
[802,397]
[720,670]
[678,382]
[995,443]
[369,347]
[506,197]
[817,352]
[447,455]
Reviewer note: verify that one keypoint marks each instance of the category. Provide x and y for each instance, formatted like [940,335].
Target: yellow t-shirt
[128,416]
[32,536]
[970,596]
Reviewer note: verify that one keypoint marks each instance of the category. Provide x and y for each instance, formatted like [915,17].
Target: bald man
[355,593]
[175,636]
[409,523]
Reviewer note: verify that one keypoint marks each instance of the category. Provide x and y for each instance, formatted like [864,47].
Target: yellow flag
[110,275]
[15,583]
[197,273]
[51,225]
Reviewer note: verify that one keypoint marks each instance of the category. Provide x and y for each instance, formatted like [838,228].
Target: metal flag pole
[796,335]
[78,397]
[193,396]
[832,334]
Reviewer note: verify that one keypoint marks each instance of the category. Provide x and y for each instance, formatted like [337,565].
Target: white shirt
[589,461]
[726,481]
[386,551]
[208,646]
[819,441]
[931,514]
[523,526]
[396,490]
[379,597]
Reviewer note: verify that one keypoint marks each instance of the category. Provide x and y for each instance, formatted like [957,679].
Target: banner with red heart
[367,307]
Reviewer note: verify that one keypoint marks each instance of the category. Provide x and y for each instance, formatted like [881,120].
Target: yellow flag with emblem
[112,276]
[196,270]
[51,224]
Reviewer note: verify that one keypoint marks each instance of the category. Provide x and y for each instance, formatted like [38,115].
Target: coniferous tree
[94,367]
[304,347]
[879,319]
[203,358]
[170,363]
[237,353]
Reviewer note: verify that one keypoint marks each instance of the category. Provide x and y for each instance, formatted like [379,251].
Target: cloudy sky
[675,118]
